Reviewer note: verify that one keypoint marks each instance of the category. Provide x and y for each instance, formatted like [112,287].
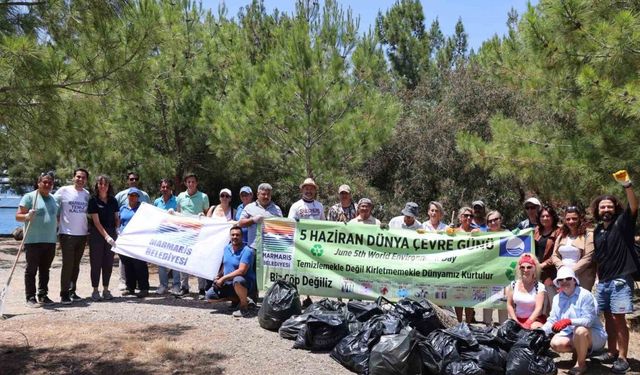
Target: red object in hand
[526,324]
[560,325]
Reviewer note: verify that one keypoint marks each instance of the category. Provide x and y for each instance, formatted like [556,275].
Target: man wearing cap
[345,210]
[307,207]
[531,208]
[254,213]
[133,179]
[246,196]
[408,220]
[73,201]
[365,206]
[574,320]
[617,261]
[479,216]
[192,202]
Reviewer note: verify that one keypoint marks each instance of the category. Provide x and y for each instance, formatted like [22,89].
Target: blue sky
[481,18]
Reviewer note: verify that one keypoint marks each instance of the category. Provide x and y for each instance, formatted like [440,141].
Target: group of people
[552,291]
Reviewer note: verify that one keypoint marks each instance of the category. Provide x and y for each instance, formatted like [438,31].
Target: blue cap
[135,191]
[246,189]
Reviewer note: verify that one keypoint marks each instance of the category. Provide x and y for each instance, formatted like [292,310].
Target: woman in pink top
[525,297]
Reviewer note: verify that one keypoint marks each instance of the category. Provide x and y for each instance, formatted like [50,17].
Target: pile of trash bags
[404,337]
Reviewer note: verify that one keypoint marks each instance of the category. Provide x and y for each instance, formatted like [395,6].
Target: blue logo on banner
[515,246]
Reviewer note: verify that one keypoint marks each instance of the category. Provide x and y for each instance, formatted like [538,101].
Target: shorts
[541,319]
[598,339]
[227,290]
[615,296]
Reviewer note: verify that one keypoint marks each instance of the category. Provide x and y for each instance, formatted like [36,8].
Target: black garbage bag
[526,356]
[484,335]
[464,367]
[521,361]
[396,354]
[508,334]
[419,314]
[354,350]
[491,359]
[437,350]
[364,311]
[322,331]
[325,304]
[281,302]
[466,338]
[290,327]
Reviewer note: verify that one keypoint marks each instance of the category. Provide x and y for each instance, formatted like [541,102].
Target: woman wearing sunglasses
[494,223]
[525,296]
[224,209]
[465,216]
[574,320]
[574,247]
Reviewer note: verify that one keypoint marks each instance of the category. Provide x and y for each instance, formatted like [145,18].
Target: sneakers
[65,300]
[45,300]
[122,286]
[128,292]
[32,302]
[95,296]
[143,294]
[175,290]
[251,302]
[182,292]
[241,313]
[161,290]
[106,295]
[74,297]
[606,358]
[620,366]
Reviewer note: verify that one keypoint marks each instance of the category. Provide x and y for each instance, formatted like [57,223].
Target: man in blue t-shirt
[237,275]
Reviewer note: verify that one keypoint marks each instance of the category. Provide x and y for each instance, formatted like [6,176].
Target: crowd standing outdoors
[554,286]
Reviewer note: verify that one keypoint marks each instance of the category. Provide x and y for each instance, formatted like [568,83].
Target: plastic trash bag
[419,314]
[290,328]
[396,354]
[354,350]
[437,350]
[526,356]
[322,331]
[364,311]
[508,334]
[281,302]
[464,367]
[491,359]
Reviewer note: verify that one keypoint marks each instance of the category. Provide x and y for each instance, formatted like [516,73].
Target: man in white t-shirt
[73,201]
[408,219]
[307,207]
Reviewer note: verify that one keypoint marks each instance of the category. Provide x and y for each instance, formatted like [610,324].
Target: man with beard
[307,207]
[617,261]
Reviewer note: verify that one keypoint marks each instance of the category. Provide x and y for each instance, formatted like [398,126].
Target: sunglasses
[566,279]
[134,178]
[531,207]
[494,220]
[526,267]
[467,215]
[225,196]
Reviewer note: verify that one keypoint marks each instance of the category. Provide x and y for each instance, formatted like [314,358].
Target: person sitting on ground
[574,320]
[237,275]
[365,205]
[574,247]
[436,213]
[525,296]
[408,218]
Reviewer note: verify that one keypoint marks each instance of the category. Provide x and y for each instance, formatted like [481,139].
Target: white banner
[190,244]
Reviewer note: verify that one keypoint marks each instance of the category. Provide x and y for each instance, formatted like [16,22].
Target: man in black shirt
[617,261]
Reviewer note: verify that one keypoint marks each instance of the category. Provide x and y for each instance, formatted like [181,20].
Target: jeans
[163,275]
[101,260]
[184,282]
[39,258]
[72,250]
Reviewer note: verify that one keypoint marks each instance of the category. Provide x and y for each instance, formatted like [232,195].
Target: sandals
[578,370]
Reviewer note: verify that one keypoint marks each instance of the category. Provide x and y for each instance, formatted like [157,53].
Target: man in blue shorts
[617,261]
[237,275]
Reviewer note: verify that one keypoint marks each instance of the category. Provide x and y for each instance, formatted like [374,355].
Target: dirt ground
[157,335]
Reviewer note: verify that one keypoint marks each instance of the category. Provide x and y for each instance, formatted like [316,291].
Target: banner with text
[190,244]
[364,261]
